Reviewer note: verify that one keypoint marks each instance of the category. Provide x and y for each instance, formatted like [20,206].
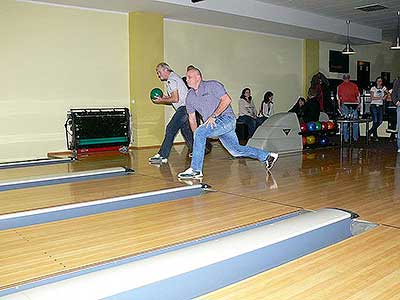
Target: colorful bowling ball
[303,127]
[318,126]
[311,126]
[323,140]
[304,140]
[324,125]
[156,93]
[310,140]
[331,125]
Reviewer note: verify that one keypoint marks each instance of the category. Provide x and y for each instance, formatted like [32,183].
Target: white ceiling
[315,19]
[344,9]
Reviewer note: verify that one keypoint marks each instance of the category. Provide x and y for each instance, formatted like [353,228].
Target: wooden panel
[14,249]
[364,267]
[90,240]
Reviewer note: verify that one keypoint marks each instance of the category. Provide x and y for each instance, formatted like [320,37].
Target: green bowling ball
[156,93]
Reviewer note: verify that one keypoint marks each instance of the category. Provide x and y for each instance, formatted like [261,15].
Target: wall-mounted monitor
[338,62]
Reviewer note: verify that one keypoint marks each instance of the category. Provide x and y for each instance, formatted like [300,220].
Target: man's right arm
[192,121]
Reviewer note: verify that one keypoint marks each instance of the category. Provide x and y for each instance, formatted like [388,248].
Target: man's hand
[210,122]
[158,100]
[398,103]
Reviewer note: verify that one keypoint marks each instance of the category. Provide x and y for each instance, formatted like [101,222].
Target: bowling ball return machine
[98,129]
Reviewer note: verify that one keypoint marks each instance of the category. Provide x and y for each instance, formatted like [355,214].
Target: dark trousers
[250,122]
[261,120]
[377,118]
[179,121]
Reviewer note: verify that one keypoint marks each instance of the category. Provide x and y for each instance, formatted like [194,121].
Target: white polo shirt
[175,83]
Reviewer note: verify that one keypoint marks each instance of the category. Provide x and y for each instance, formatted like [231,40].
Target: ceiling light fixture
[348,50]
[396,45]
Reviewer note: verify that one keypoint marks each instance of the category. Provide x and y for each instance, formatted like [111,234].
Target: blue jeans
[353,113]
[377,118]
[180,120]
[225,131]
[250,122]
[261,120]
[398,127]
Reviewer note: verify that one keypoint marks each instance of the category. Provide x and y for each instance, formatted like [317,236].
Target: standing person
[266,109]
[349,103]
[378,95]
[396,101]
[176,96]
[247,111]
[211,100]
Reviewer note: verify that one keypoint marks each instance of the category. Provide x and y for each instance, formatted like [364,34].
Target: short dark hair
[193,68]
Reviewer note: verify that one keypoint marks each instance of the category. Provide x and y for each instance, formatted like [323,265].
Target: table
[351,122]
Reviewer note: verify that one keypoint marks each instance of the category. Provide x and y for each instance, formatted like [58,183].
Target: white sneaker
[158,159]
[398,150]
[271,159]
[190,174]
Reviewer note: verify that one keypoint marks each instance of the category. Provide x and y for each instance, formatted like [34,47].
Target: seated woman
[247,111]
[266,109]
[298,108]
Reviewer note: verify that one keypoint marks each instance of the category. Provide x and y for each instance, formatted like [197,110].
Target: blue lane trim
[216,276]
[23,185]
[32,163]
[96,209]
[142,256]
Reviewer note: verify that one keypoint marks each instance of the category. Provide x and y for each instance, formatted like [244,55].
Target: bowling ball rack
[329,133]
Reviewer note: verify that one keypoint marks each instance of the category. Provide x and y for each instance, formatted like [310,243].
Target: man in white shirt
[176,96]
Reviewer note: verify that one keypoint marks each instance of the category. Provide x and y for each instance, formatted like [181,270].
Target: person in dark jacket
[298,108]
[311,107]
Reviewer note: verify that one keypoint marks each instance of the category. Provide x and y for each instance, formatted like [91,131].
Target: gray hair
[164,66]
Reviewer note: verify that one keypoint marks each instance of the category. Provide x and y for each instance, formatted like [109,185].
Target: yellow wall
[380,56]
[238,59]
[311,62]
[146,50]
[53,59]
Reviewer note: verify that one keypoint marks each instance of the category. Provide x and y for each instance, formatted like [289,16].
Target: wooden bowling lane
[363,180]
[54,195]
[85,241]
[363,267]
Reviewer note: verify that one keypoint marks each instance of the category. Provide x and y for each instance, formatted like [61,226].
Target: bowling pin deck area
[243,197]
